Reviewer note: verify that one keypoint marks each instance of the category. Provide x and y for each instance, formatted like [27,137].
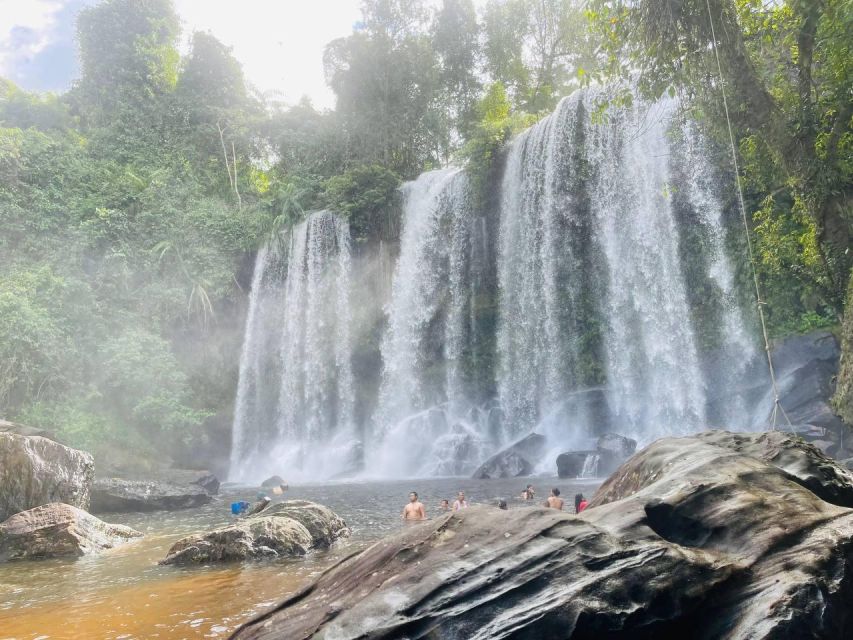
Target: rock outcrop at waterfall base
[289,528]
[518,459]
[610,451]
[58,530]
[714,536]
[36,471]
[112,495]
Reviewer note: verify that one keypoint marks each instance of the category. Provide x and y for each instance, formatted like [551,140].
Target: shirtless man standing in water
[554,500]
[415,509]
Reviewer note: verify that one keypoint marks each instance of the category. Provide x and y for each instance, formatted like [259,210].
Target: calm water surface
[123,593]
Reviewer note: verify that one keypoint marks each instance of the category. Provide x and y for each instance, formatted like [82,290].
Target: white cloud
[26,28]
[279,42]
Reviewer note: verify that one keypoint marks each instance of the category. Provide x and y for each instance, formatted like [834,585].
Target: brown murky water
[124,594]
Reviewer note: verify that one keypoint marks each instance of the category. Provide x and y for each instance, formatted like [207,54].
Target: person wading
[415,509]
[554,500]
[460,503]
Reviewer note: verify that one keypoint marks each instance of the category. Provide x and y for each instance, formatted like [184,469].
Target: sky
[279,42]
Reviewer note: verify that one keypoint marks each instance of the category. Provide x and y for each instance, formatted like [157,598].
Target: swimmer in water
[444,506]
[415,509]
[460,502]
[554,500]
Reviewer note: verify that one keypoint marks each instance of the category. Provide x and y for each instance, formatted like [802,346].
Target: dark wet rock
[273,481]
[720,536]
[572,464]
[621,447]
[36,471]
[611,451]
[116,495]
[289,528]
[208,482]
[57,530]
[518,459]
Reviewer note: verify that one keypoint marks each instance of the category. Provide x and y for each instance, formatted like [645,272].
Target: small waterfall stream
[294,407]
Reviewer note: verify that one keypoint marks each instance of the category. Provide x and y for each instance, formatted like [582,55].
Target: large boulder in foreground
[717,536]
[58,530]
[36,471]
[518,459]
[289,528]
[112,495]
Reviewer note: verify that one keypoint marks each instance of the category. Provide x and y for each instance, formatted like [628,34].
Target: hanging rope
[777,407]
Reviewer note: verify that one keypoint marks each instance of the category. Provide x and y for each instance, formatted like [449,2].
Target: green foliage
[130,207]
[128,54]
[495,124]
[537,49]
[125,234]
[788,76]
[366,195]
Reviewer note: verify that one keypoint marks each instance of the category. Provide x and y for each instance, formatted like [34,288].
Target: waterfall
[544,225]
[425,424]
[294,408]
[585,287]
[590,466]
[593,274]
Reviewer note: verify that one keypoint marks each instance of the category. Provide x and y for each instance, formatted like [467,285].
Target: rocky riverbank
[718,535]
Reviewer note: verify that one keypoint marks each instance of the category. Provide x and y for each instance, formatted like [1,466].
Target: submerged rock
[289,528]
[114,495]
[36,471]
[518,459]
[717,536]
[56,530]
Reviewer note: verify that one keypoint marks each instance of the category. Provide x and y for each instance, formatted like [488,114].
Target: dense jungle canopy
[131,205]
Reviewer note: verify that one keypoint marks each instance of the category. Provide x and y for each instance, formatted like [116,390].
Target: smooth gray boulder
[58,530]
[111,495]
[621,446]
[716,537]
[273,481]
[36,471]
[290,528]
[518,459]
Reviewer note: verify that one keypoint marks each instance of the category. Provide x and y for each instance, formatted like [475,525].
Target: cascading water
[592,273]
[587,290]
[294,409]
[425,423]
[590,466]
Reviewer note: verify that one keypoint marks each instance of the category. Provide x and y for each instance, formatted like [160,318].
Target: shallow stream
[123,593]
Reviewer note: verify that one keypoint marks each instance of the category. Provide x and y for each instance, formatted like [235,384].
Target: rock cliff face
[289,528]
[36,471]
[57,530]
[715,536]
